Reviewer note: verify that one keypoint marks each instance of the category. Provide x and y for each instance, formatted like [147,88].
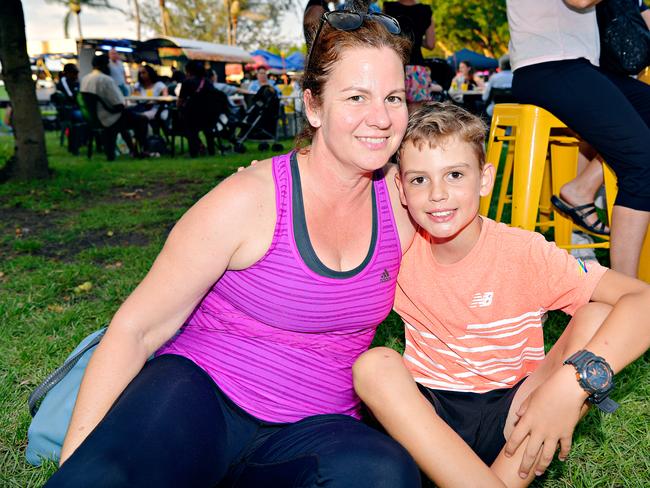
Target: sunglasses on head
[347,20]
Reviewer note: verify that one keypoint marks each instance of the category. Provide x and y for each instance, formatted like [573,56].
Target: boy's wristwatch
[596,377]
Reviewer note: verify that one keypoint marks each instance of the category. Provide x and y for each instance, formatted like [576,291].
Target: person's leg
[387,388]
[329,451]
[593,106]
[583,188]
[170,427]
[578,332]
[193,141]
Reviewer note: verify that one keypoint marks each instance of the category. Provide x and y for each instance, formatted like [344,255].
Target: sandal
[578,215]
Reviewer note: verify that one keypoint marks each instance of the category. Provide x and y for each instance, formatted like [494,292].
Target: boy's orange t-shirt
[476,325]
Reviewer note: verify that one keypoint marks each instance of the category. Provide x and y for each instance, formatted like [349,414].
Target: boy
[472,294]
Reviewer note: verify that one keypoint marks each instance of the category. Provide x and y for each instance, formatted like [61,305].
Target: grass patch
[105,223]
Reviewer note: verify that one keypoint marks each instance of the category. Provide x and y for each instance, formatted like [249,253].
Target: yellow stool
[536,178]
[528,146]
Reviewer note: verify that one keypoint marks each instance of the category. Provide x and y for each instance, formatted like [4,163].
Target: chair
[501,95]
[67,124]
[88,105]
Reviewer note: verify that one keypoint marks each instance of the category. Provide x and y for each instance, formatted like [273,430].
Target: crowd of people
[262,304]
[134,110]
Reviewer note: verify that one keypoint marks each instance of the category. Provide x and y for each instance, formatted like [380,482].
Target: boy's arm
[552,411]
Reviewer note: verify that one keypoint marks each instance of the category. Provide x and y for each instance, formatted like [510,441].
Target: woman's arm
[430,36]
[230,228]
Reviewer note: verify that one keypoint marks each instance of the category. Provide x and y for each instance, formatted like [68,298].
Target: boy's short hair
[434,123]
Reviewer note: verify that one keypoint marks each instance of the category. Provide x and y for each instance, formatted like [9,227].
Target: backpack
[155,144]
[624,37]
[57,395]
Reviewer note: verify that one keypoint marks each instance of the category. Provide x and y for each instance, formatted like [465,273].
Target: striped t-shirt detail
[476,325]
[278,337]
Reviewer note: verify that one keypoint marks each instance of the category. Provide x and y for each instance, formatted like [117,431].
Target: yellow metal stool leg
[493,157]
[564,167]
[505,181]
[545,199]
[530,157]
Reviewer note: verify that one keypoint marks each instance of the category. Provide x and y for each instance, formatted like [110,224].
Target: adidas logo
[384,276]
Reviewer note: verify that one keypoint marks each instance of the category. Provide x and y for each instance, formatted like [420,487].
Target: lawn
[103,223]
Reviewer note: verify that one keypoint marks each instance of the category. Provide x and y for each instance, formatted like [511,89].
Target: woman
[281,275]
[465,79]
[417,22]
[149,85]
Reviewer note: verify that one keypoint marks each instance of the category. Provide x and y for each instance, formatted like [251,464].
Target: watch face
[598,376]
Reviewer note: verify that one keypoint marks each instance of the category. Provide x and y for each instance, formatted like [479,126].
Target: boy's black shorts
[479,418]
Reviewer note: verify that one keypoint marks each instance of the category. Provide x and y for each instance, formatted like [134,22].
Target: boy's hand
[548,417]
[242,168]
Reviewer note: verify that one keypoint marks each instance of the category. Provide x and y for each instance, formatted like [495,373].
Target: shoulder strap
[58,374]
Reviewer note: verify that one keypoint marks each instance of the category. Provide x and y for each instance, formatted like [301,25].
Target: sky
[44,21]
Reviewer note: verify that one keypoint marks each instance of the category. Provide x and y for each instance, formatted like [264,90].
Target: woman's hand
[547,418]
[242,168]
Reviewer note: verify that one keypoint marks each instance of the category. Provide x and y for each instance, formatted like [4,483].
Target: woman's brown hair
[328,49]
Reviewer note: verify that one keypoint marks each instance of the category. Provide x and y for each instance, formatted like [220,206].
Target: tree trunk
[79,25]
[164,17]
[30,158]
[138,23]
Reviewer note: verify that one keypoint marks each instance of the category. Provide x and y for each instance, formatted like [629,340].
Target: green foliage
[207,20]
[477,25]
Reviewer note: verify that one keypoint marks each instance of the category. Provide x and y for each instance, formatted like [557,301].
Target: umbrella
[478,61]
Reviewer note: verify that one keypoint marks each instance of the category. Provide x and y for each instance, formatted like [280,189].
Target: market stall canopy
[478,61]
[294,62]
[176,47]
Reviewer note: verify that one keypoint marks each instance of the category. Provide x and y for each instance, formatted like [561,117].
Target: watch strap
[606,405]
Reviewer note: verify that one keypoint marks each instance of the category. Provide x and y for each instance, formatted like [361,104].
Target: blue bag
[58,394]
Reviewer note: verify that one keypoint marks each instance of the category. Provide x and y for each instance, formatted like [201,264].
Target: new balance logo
[482,299]
[384,276]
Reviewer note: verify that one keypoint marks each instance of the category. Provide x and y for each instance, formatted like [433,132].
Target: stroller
[260,121]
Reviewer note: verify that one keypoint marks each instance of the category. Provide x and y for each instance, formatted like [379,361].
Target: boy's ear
[400,188]
[487,179]
[311,109]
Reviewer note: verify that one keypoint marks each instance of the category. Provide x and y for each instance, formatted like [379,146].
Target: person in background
[174,87]
[227,89]
[116,67]
[465,79]
[314,10]
[149,85]
[554,50]
[195,111]
[68,85]
[262,79]
[111,110]
[500,79]
[416,20]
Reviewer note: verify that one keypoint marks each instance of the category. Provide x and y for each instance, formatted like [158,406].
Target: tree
[74,9]
[480,26]
[30,157]
[208,20]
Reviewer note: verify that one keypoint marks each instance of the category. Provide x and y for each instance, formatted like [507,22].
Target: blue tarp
[294,62]
[478,61]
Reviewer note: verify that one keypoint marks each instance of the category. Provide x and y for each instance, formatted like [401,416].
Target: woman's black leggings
[611,112]
[173,427]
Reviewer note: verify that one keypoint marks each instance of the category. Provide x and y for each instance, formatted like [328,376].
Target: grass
[104,223]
